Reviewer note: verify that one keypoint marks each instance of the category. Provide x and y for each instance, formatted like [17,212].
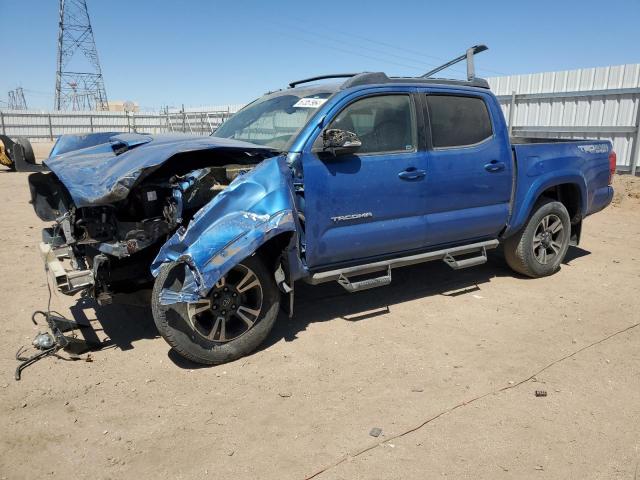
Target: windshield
[272,120]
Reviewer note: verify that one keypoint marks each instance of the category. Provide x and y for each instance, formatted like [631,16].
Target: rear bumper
[67,281]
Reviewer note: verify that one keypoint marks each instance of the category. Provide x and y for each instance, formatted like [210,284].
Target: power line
[38,92]
[407,50]
[415,64]
[415,55]
[350,52]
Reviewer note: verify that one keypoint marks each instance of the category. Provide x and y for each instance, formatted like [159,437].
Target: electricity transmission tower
[79,82]
[16,99]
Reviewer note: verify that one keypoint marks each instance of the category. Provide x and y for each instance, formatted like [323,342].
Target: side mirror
[340,142]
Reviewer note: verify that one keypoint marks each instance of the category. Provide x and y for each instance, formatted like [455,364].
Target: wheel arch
[568,188]
[569,195]
[272,250]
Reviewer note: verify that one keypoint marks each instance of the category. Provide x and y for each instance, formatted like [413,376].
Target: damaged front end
[114,205]
[253,210]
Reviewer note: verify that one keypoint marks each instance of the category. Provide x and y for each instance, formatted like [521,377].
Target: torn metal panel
[254,208]
[104,172]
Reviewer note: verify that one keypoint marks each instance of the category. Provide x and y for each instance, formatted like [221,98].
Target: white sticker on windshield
[309,102]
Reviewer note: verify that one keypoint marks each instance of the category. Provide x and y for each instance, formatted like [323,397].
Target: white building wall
[598,112]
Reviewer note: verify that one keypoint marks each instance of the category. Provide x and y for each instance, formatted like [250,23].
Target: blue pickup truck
[322,181]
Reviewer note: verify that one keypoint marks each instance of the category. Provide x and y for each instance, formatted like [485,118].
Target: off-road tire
[518,249]
[175,327]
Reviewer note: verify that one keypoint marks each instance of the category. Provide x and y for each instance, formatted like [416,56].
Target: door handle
[494,166]
[412,173]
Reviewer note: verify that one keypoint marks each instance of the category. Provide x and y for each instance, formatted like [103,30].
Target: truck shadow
[117,325]
[328,302]
[574,253]
[125,323]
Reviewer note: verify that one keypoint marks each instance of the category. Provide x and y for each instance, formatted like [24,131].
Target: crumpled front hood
[96,175]
[255,207]
[67,143]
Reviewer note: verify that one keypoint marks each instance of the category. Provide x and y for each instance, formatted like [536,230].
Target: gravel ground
[445,363]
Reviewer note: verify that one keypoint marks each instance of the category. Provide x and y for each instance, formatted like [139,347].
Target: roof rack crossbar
[322,77]
[468,55]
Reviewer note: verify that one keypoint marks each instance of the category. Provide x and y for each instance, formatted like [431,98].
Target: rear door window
[458,121]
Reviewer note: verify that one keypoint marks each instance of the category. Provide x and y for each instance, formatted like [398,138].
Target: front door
[370,203]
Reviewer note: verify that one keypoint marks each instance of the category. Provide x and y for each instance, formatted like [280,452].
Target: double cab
[323,181]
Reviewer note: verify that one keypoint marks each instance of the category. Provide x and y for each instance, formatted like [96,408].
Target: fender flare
[541,184]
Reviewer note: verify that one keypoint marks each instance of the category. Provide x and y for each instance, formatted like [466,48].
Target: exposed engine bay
[108,248]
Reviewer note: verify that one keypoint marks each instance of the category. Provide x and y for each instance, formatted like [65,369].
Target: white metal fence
[598,103]
[49,125]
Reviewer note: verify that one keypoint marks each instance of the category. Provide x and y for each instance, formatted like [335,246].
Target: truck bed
[541,163]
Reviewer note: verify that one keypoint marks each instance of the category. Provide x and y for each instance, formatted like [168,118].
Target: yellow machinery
[18,155]
[4,159]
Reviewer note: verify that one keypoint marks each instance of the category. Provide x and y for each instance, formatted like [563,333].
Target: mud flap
[286,286]
[576,231]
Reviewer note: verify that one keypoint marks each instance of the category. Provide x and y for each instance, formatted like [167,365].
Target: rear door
[370,203]
[469,177]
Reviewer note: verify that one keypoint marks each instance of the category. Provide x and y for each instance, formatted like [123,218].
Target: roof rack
[368,78]
[322,77]
[471,73]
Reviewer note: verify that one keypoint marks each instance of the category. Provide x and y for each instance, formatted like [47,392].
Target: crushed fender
[254,208]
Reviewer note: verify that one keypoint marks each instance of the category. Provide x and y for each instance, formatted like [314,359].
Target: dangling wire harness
[48,343]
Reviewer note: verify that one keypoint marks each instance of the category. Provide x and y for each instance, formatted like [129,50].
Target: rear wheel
[232,321]
[538,249]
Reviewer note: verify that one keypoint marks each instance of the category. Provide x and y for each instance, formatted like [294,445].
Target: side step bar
[448,255]
[450,260]
[352,287]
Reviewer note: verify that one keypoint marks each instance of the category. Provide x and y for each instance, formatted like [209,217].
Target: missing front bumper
[67,281]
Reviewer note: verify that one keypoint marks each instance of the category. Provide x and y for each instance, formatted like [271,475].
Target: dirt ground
[445,363]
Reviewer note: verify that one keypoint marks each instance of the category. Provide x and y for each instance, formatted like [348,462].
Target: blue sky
[165,52]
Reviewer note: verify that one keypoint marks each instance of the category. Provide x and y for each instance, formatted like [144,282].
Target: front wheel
[538,249]
[231,322]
